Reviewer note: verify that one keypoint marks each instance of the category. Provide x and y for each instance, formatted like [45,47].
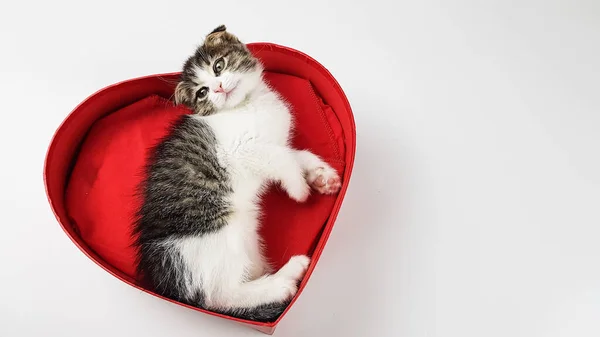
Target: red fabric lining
[123,120]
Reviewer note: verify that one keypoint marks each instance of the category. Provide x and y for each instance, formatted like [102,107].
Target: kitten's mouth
[226,92]
[229,92]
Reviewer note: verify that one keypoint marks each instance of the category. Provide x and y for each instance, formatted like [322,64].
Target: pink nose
[220,88]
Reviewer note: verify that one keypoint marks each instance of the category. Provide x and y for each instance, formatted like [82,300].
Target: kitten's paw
[295,268]
[287,278]
[299,190]
[324,180]
[284,290]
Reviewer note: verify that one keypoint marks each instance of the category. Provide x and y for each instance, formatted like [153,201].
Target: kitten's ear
[220,35]
[181,93]
[219,29]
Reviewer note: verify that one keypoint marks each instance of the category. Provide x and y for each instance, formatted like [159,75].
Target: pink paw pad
[325,181]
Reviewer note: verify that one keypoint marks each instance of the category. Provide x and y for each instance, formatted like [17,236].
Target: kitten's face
[219,75]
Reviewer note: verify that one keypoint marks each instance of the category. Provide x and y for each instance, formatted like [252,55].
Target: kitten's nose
[220,88]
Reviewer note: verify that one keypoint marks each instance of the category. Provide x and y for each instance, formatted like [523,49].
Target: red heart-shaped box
[95,160]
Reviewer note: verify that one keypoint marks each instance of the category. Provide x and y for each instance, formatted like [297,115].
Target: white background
[474,208]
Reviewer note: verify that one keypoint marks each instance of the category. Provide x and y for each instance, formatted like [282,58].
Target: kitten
[197,228]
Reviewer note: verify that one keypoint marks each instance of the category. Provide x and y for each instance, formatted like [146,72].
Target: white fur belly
[248,143]
[220,261]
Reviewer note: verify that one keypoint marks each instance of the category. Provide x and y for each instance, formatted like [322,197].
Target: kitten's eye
[219,66]
[202,92]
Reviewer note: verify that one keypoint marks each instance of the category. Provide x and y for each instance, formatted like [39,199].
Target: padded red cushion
[114,129]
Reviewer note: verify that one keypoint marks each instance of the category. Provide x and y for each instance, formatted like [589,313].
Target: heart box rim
[56,171]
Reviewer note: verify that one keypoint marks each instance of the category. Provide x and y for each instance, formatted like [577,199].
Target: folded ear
[219,29]
[220,35]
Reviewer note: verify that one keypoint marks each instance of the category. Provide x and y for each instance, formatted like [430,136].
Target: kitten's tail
[264,313]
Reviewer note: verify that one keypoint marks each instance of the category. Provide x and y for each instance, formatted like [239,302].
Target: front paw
[325,180]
